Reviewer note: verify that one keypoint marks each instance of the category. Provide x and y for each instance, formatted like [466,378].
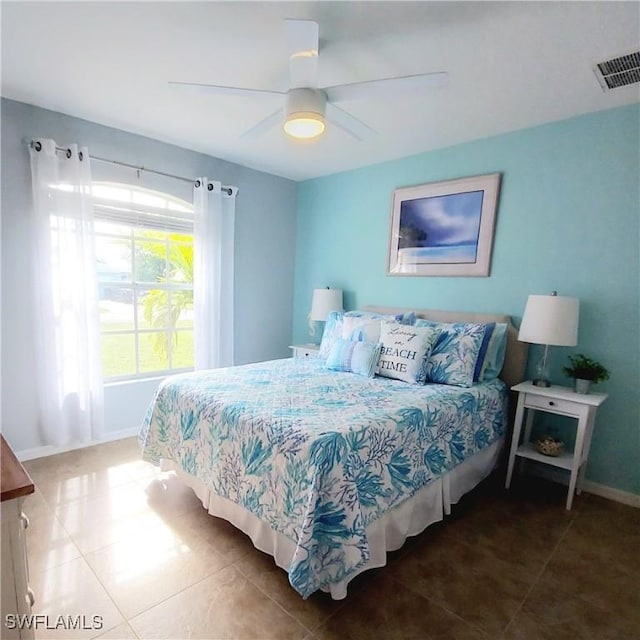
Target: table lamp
[323,303]
[549,320]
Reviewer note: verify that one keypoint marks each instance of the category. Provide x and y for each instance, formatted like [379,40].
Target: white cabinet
[17,597]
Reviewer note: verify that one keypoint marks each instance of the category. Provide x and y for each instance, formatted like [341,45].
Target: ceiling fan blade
[387,87]
[348,123]
[302,49]
[214,89]
[264,125]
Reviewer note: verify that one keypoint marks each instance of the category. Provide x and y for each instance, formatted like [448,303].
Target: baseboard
[625,497]
[51,450]
[557,475]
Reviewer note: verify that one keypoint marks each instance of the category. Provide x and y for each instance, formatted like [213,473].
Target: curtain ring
[81,156]
[210,187]
[197,183]
[68,153]
[37,145]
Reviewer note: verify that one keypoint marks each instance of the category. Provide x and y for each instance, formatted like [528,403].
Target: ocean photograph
[440,229]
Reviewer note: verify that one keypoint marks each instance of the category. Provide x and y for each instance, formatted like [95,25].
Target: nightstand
[562,401]
[305,350]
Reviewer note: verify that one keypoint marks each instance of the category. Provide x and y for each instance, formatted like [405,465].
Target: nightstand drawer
[553,405]
[305,350]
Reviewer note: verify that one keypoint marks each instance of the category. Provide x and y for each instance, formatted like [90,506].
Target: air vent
[619,72]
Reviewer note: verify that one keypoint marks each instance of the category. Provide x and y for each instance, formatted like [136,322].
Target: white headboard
[516,357]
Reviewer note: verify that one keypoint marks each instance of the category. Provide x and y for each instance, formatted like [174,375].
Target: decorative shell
[549,446]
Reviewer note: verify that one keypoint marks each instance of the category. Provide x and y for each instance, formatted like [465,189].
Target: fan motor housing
[301,102]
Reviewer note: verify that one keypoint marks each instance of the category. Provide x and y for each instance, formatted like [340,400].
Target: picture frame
[444,228]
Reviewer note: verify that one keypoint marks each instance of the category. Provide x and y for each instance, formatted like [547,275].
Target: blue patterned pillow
[454,356]
[496,350]
[331,334]
[354,357]
[405,351]
[489,328]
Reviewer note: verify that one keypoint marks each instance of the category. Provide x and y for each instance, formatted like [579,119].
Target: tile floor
[112,537]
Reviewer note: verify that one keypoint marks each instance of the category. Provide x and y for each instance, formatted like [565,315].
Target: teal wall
[568,219]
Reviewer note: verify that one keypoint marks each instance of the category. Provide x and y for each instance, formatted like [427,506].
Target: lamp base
[541,382]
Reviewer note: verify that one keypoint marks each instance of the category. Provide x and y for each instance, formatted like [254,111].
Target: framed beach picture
[444,228]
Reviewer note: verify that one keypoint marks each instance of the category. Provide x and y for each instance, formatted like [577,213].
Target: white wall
[264,254]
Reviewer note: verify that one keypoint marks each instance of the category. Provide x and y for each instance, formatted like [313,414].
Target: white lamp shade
[551,320]
[324,302]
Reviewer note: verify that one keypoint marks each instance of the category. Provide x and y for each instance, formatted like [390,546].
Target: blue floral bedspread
[317,454]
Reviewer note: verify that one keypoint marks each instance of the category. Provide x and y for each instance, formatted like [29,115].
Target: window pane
[172,206]
[140,197]
[154,311]
[182,354]
[180,261]
[153,351]
[113,263]
[111,228]
[118,355]
[151,260]
[145,279]
[117,313]
[119,194]
[185,317]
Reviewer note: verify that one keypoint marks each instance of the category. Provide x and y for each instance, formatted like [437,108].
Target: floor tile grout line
[340,608]
[109,596]
[128,619]
[439,604]
[61,564]
[177,593]
[104,587]
[562,536]
[289,613]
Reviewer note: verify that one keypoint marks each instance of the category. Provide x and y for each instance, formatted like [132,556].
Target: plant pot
[582,386]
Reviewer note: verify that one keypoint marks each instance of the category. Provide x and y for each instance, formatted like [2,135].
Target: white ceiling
[511,65]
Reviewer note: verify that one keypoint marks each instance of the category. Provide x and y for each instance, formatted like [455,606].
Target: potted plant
[585,371]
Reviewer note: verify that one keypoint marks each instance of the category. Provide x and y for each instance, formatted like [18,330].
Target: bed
[325,470]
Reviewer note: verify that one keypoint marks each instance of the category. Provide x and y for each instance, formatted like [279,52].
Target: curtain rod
[35,144]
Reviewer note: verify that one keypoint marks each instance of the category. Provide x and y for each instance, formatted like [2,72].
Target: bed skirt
[388,533]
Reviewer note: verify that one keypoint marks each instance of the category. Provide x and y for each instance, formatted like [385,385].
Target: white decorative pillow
[354,357]
[405,351]
[365,325]
[334,327]
[361,329]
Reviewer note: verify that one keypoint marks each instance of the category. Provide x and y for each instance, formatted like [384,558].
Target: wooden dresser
[17,597]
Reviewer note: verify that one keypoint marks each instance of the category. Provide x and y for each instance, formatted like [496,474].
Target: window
[144,254]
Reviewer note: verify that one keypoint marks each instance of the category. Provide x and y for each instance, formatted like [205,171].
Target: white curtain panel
[214,228]
[66,329]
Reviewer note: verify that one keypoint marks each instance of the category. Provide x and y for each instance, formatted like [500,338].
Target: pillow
[365,325]
[489,328]
[496,350]
[454,356]
[354,357]
[405,351]
[334,327]
[332,332]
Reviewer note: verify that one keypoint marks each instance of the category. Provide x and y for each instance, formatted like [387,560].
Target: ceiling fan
[306,105]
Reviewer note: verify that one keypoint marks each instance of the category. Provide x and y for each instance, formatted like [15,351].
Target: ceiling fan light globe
[304,125]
